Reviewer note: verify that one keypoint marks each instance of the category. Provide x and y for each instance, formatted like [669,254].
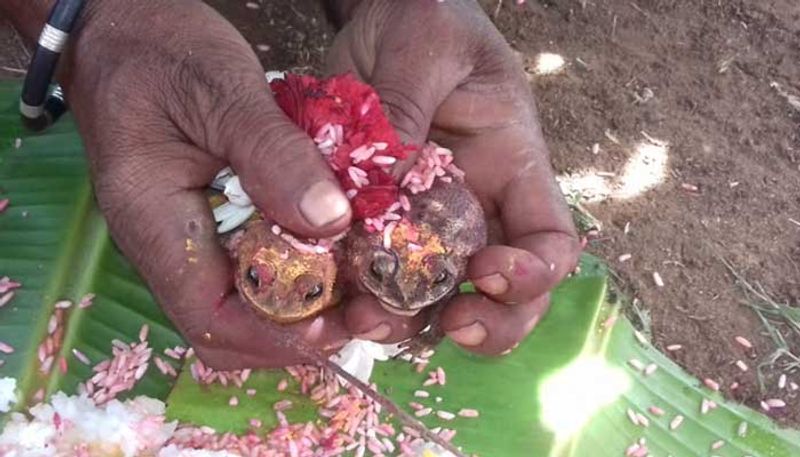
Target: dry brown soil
[695,74]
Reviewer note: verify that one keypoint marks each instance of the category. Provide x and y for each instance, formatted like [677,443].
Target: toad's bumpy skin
[278,281]
[429,251]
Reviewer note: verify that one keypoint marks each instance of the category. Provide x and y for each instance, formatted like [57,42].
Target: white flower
[8,395]
[358,357]
[273,75]
[230,216]
[235,192]
[221,178]
[239,207]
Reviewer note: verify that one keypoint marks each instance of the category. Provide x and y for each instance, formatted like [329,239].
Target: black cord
[39,106]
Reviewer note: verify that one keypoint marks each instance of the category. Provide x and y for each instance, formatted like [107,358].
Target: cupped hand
[445,73]
[166,94]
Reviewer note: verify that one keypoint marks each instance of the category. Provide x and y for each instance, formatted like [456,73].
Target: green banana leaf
[564,392]
[55,242]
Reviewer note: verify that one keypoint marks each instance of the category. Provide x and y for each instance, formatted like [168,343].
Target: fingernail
[471,335]
[379,333]
[494,284]
[323,203]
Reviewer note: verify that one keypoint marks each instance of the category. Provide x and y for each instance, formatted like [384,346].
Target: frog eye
[253,277]
[375,270]
[314,293]
[441,277]
[383,265]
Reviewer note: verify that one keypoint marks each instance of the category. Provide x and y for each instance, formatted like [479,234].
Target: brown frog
[429,250]
[280,282]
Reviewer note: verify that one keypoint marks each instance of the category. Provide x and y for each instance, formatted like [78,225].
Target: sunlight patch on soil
[644,170]
[547,63]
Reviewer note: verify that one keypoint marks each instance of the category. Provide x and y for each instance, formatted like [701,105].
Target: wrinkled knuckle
[405,112]
[207,99]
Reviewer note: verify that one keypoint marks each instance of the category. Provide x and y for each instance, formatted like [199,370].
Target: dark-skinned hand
[444,72]
[166,94]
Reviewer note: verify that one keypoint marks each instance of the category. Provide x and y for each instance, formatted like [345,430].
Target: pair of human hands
[167,93]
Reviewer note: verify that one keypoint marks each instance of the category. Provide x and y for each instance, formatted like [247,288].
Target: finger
[542,244]
[285,345]
[169,234]
[486,327]
[410,97]
[366,319]
[280,167]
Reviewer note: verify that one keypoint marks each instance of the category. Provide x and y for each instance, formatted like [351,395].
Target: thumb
[281,168]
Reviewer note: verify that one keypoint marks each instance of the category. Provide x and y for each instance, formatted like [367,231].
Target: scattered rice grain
[744,342]
[676,422]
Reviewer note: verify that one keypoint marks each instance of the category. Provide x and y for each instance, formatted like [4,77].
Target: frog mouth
[400,311]
[388,306]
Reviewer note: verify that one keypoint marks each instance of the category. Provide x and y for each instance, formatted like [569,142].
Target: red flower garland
[345,119]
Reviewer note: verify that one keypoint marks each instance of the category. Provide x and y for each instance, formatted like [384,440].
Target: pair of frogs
[420,265]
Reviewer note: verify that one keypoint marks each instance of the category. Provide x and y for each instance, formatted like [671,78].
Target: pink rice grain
[282,385]
[233,401]
[143,332]
[423,412]
[86,301]
[632,416]
[81,356]
[711,384]
[47,364]
[383,160]
[63,304]
[4,204]
[52,325]
[467,412]
[62,365]
[405,203]
[775,403]
[445,415]
[744,342]
[5,298]
[7,284]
